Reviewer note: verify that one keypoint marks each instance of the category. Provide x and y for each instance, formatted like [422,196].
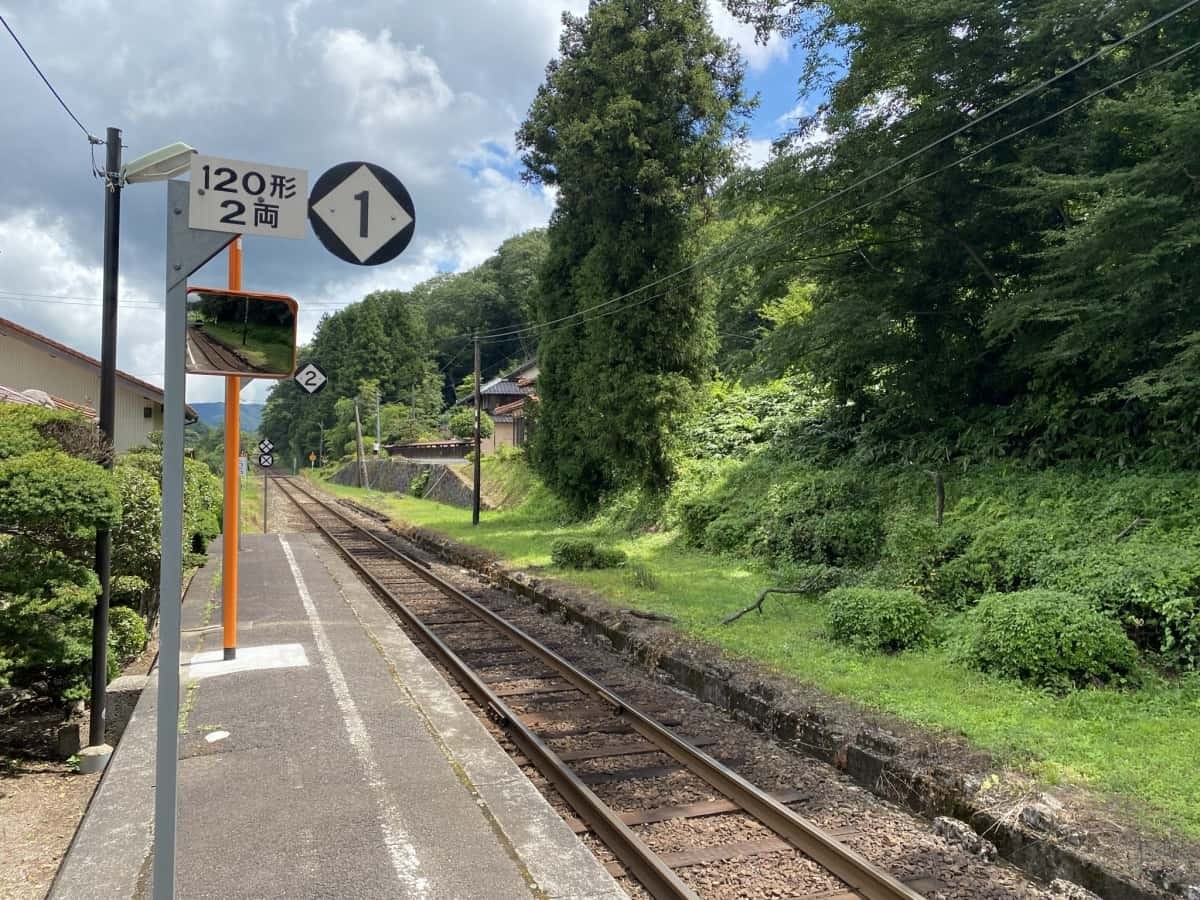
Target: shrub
[136,547]
[827,517]
[46,599]
[126,638]
[1049,638]
[815,579]
[25,429]
[580,553]
[462,423]
[642,576]
[877,619]
[420,483]
[47,492]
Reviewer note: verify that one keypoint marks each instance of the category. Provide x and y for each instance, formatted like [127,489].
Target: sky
[432,92]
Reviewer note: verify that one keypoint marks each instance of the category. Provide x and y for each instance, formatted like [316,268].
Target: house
[505,398]
[43,371]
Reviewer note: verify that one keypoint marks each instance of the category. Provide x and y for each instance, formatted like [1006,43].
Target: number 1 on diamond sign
[362,213]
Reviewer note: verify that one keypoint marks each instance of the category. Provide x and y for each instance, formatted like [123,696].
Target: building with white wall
[33,362]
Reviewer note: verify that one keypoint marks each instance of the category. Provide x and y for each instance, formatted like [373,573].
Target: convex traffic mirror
[240,333]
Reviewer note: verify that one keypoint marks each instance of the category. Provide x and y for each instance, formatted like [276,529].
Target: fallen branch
[758,604]
[652,616]
[1131,528]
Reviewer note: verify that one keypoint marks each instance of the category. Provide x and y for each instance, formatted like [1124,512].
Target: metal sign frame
[187,250]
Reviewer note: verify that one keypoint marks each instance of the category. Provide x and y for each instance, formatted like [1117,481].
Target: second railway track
[566,724]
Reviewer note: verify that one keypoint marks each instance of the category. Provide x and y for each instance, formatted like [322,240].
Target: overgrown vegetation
[878,619]
[581,553]
[1049,638]
[54,495]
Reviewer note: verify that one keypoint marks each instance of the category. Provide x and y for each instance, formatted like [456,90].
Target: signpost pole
[264,501]
[475,492]
[231,539]
[187,251]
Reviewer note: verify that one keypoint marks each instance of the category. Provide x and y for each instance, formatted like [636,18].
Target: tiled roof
[510,388]
[32,398]
[7,326]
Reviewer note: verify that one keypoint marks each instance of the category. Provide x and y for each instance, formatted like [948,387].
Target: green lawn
[262,348]
[1139,746]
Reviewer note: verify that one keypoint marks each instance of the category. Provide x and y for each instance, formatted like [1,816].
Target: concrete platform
[329,759]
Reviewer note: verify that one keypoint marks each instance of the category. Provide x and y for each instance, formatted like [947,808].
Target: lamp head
[158,165]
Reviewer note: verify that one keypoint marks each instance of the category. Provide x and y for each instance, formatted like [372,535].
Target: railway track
[205,352]
[542,702]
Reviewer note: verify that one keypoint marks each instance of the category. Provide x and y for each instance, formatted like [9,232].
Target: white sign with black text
[247,198]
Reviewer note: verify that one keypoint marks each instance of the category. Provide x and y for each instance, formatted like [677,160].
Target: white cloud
[383,81]
[755,152]
[758,56]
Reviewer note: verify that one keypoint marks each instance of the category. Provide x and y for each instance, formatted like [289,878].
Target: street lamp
[157,165]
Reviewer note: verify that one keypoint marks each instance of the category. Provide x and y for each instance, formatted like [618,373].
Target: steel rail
[851,867]
[646,865]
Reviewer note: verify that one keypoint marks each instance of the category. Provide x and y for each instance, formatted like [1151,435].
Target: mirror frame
[252,295]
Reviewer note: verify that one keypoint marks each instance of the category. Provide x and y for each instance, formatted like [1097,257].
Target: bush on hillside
[581,553]
[1048,638]
[877,618]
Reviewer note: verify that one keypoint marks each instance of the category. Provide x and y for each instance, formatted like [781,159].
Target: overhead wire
[825,201]
[560,324]
[92,139]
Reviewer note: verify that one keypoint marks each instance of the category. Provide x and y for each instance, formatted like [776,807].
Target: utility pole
[378,439]
[475,492]
[98,752]
[362,454]
[321,445]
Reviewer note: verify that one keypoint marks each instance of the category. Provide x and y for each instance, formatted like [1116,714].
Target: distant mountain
[213,414]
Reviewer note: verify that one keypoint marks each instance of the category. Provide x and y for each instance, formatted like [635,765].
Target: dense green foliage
[1050,638]
[53,498]
[581,553]
[51,503]
[126,638]
[878,619]
[631,126]
[462,424]
[1035,300]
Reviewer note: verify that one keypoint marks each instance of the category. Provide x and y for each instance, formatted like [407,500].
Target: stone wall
[446,485]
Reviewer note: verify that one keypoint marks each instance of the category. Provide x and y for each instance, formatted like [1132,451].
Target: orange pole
[233,440]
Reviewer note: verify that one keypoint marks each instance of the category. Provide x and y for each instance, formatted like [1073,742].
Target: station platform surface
[329,759]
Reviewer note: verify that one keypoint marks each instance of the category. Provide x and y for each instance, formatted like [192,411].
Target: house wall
[501,437]
[23,367]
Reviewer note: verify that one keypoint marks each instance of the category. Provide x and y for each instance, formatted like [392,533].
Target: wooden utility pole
[362,453]
[475,493]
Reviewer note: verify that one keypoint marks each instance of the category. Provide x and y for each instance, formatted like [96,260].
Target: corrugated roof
[31,398]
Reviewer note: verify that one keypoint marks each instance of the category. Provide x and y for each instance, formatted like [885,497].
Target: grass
[250,497]
[262,348]
[1136,746]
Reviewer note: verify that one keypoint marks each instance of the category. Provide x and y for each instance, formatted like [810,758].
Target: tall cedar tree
[1037,299]
[633,126]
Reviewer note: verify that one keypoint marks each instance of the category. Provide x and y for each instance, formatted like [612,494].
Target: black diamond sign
[361,213]
[310,378]
[265,445]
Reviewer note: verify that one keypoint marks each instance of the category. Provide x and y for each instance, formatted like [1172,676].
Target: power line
[92,139]
[916,180]
[825,201]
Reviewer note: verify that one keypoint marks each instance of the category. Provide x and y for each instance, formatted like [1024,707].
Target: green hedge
[878,618]
[580,553]
[1048,638]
